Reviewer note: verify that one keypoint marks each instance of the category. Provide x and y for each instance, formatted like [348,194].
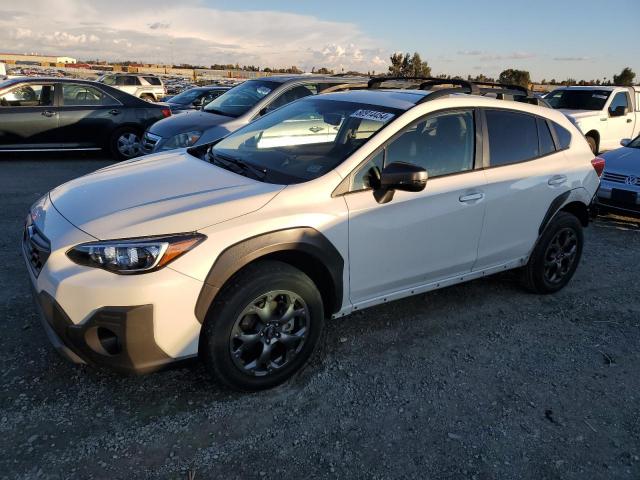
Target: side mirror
[625,141]
[197,103]
[400,176]
[619,111]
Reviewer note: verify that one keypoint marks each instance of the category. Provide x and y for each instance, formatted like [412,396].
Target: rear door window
[153,80]
[84,95]
[513,137]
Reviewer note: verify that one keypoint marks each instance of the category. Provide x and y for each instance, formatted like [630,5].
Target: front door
[619,127]
[418,238]
[28,117]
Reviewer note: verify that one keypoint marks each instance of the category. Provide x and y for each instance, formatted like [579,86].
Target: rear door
[87,115]
[525,174]
[28,117]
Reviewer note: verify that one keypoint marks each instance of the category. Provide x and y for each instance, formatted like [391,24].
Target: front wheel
[263,327]
[556,256]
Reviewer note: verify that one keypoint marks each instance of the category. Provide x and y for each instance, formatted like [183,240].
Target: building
[31,59]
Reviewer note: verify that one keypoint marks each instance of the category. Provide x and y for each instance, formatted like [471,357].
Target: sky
[584,39]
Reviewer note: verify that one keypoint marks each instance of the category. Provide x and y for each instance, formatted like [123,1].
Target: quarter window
[546,141]
[443,143]
[30,95]
[363,176]
[513,137]
[564,136]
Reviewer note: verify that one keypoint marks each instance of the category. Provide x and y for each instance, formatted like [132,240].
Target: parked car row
[68,114]
[285,213]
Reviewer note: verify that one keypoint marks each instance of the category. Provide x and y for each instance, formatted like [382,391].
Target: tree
[418,68]
[405,65]
[396,64]
[515,77]
[625,78]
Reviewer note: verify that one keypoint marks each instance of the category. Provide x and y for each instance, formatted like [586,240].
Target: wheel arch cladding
[304,248]
[579,209]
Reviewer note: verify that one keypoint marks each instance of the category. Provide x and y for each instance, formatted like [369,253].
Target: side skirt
[447,282]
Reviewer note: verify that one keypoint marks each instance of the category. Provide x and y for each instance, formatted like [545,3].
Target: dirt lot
[479,381]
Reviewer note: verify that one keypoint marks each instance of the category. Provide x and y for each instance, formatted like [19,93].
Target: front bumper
[605,199]
[130,323]
[114,337]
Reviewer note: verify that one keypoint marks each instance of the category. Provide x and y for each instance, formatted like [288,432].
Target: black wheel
[263,327]
[593,145]
[147,97]
[556,256]
[126,143]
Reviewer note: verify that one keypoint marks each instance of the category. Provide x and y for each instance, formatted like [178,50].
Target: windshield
[578,99]
[635,143]
[187,96]
[305,139]
[242,98]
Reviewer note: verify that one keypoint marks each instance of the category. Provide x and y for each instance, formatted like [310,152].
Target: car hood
[623,160]
[156,195]
[187,122]
[580,114]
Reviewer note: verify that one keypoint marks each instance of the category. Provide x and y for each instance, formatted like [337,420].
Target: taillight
[166,112]
[598,165]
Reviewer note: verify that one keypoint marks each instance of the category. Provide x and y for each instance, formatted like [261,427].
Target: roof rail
[505,87]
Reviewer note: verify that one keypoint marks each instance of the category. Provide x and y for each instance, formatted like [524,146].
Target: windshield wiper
[218,112]
[244,166]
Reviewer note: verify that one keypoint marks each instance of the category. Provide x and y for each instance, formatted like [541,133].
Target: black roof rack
[518,92]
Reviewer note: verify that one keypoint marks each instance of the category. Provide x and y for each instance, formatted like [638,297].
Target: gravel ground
[479,381]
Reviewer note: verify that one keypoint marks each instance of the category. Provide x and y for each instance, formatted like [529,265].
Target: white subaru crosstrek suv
[238,251]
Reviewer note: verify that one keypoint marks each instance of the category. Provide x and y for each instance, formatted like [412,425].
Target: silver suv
[145,87]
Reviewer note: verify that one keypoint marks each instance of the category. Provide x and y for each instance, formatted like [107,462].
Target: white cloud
[187,31]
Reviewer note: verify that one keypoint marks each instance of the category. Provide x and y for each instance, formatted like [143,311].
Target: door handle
[629,120]
[471,197]
[48,113]
[557,180]
[114,112]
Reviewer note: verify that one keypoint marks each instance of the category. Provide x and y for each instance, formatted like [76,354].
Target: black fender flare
[305,240]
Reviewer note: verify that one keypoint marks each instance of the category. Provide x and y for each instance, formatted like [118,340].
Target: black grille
[36,247]
[149,142]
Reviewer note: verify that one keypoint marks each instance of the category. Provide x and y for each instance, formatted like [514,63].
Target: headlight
[182,140]
[136,255]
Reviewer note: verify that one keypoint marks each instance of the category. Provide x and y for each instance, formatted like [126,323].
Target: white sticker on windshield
[603,97]
[372,115]
[263,91]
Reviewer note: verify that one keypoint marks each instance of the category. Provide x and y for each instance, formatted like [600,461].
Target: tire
[558,250]
[147,97]
[242,325]
[126,143]
[593,144]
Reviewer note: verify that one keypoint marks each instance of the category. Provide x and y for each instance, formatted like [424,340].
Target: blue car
[619,190]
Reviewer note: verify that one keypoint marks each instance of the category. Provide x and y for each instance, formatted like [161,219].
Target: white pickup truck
[604,114]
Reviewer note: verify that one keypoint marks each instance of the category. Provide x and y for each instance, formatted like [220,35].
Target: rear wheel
[593,144]
[556,256]
[263,327]
[126,143]
[147,97]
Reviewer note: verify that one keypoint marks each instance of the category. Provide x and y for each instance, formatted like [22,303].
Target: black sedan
[194,98]
[68,114]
